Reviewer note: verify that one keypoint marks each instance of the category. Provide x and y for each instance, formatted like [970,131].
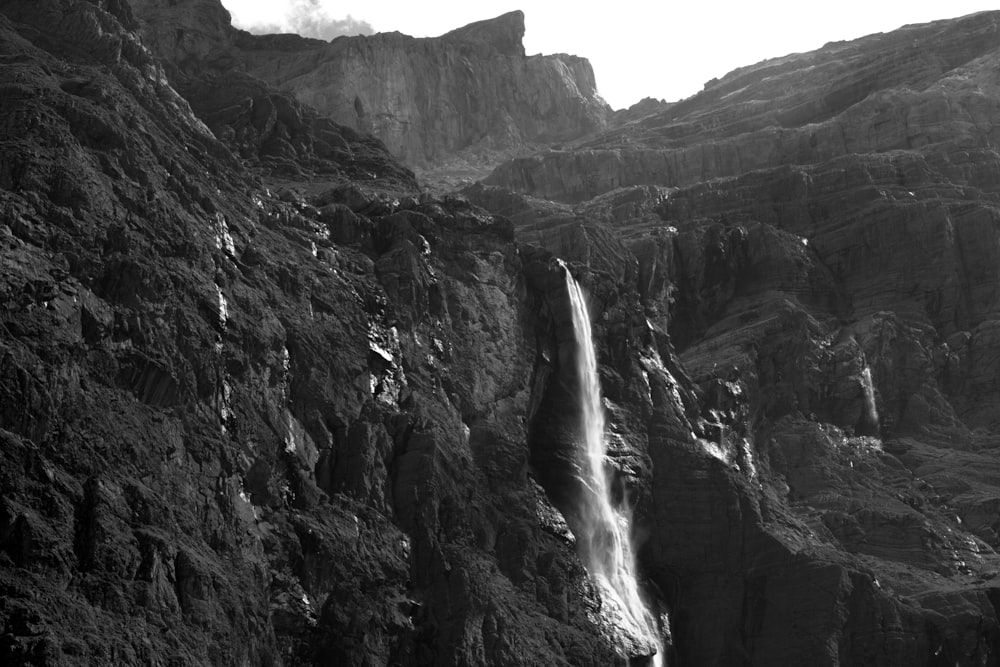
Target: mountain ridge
[755,118]
[425,98]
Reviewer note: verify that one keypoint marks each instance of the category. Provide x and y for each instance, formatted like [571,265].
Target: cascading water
[602,530]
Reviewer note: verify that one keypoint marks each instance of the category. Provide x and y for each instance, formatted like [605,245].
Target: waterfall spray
[603,530]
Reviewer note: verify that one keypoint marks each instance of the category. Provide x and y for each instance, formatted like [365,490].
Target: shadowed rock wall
[930,86]
[239,427]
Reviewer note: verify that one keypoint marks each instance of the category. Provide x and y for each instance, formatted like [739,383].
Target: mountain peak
[504,33]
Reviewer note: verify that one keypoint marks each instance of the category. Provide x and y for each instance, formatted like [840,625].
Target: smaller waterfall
[603,530]
[868,389]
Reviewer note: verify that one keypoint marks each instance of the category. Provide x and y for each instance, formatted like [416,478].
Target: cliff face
[426,99]
[266,128]
[818,236]
[239,428]
[930,86]
[264,402]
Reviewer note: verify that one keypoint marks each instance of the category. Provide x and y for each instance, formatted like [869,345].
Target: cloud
[309,19]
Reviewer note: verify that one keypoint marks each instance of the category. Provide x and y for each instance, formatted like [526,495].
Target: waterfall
[602,530]
[868,389]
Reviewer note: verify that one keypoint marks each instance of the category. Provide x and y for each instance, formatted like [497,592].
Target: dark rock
[823,297]
[333,421]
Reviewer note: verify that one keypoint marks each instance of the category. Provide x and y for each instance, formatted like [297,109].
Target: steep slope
[817,235]
[335,423]
[241,429]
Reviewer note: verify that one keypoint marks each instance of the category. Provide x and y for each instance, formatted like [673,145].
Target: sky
[666,50]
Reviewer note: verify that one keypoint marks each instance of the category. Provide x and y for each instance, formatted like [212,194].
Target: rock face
[429,98]
[426,99]
[242,428]
[268,129]
[264,402]
[927,86]
[816,237]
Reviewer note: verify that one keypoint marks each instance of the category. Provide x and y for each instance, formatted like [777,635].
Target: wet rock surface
[263,401]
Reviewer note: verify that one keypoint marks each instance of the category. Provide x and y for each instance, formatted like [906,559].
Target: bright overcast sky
[639,49]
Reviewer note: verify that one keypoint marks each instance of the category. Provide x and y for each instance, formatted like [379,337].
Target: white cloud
[308,18]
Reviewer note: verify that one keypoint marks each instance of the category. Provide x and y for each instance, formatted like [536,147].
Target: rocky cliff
[924,86]
[817,235]
[264,402]
[472,89]
[243,428]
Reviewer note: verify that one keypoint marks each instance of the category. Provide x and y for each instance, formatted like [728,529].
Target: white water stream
[604,530]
